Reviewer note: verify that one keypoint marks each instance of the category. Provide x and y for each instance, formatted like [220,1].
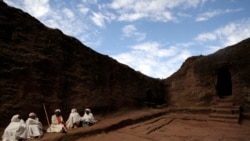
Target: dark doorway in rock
[224,83]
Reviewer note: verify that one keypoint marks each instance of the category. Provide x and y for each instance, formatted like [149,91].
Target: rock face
[202,80]
[40,66]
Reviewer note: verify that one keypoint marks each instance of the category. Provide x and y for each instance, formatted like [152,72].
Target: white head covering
[57,110]
[73,110]
[32,115]
[15,118]
[87,109]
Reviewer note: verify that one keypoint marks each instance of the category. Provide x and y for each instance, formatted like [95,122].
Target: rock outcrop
[202,80]
[40,65]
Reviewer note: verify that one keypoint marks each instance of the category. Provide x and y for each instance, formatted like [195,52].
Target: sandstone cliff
[42,65]
[203,79]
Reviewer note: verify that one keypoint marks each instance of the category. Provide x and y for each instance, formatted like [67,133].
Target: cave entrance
[224,83]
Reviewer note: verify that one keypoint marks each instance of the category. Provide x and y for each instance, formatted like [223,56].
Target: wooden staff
[46,114]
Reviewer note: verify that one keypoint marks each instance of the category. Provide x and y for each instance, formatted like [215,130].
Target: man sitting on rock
[73,120]
[88,118]
[34,127]
[16,130]
[57,123]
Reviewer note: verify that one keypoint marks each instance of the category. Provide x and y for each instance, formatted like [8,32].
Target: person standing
[57,123]
[34,127]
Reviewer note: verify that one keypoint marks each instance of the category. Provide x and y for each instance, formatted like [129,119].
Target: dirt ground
[164,127]
[167,128]
[171,129]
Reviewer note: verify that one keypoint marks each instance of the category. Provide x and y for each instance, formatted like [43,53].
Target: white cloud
[68,14]
[84,10]
[152,60]
[210,14]
[131,31]
[117,4]
[37,8]
[133,10]
[131,16]
[234,32]
[153,48]
[128,30]
[156,10]
[90,1]
[230,34]
[98,19]
[206,37]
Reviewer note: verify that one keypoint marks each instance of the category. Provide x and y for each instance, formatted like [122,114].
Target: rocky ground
[171,129]
[156,125]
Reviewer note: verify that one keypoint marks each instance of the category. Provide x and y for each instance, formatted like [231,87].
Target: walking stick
[46,114]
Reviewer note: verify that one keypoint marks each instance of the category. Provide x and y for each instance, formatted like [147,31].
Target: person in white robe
[57,123]
[74,119]
[88,118]
[16,130]
[34,127]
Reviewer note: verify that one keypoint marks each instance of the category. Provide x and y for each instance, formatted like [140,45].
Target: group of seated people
[74,121]
[18,130]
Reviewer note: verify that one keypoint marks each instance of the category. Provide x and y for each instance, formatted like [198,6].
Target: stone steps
[236,121]
[225,111]
[226,100]
[233,110]
[224,116]
[246,115]
[226,105]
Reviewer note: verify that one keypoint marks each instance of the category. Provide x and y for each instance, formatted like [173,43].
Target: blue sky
[151,36]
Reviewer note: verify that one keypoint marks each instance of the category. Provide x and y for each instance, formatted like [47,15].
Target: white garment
[15,130]
[74,118]
[88,118]
[55,125]
[34,128]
